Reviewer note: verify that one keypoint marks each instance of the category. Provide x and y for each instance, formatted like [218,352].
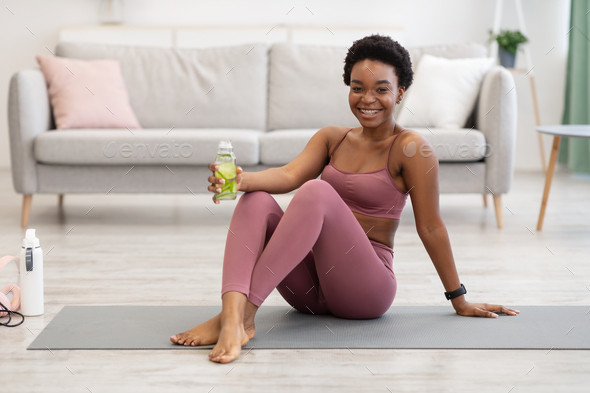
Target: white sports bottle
[31,275]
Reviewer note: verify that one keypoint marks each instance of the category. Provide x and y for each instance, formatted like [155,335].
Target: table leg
[538,122]
[548,179]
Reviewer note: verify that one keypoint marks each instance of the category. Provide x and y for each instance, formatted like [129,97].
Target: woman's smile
[369,113]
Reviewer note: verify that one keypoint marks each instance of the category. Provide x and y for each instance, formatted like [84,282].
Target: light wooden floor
[168,249]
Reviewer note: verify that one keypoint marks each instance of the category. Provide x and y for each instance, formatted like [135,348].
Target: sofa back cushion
[306,89]
[450,51]
[189,88]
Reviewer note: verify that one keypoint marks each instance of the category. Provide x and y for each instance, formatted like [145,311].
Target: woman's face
[373,92]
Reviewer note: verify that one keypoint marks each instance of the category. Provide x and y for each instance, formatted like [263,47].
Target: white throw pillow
[444,92]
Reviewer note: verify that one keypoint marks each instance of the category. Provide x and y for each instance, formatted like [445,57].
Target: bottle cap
[224,147]
[30,239]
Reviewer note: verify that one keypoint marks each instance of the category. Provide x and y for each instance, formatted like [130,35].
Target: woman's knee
[258,198]
[315,190]
[257,203]
[256,195]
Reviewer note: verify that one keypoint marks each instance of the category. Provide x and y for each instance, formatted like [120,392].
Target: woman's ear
[400,94]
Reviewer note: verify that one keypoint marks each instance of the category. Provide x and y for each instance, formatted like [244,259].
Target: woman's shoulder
[336,130]
[410,142]
[334,134]
[409,136]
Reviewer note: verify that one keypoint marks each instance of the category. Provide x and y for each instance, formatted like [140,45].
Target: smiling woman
[331,251]
[368,59]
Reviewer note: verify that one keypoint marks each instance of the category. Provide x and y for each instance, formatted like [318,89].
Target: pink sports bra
[370,193]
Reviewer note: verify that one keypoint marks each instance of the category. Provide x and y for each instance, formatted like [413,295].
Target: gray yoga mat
[278,327]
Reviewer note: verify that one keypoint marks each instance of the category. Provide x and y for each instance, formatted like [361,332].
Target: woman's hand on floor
[483,310]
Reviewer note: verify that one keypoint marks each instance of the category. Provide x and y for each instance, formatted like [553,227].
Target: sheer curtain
[575,152]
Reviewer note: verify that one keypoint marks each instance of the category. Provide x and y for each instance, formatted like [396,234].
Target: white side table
[574,131]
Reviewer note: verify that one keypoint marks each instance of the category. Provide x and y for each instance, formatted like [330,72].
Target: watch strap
[457,292]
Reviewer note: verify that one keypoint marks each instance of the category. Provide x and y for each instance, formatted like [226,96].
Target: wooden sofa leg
[60,200]
[485,200]
[24,220]
[498,207]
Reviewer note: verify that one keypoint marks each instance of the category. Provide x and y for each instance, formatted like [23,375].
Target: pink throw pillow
[87,94]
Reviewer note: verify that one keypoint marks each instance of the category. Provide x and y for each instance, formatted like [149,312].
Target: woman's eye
[356,89]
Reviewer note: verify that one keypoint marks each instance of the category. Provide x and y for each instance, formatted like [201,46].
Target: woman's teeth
[370,112]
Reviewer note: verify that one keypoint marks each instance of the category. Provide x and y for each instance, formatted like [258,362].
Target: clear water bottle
[31,275]
[227,170]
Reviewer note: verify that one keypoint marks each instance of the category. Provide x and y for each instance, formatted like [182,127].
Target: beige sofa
[269,100]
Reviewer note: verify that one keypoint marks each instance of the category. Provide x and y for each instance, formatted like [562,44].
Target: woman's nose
[368,97]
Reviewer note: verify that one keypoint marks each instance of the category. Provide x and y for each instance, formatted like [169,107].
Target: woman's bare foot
[232,338]
[208,332]
[204,334]
[233,334]
[249,315]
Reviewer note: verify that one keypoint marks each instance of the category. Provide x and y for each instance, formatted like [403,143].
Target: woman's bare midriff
[379,229]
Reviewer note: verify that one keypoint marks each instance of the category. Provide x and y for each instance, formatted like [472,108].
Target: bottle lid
[225,144]
[30,239]
[224,147]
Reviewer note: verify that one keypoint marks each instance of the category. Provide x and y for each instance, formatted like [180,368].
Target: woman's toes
[178,340]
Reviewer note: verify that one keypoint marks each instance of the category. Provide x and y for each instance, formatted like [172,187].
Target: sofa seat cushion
[458,144]
[449,145]
[144,147]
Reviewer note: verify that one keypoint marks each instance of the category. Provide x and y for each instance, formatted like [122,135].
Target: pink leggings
[315,253]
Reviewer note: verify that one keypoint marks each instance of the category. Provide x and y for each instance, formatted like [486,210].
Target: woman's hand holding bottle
[218,182]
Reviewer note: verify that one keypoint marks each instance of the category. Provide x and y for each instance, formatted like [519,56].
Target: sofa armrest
[496,118]
[29,114]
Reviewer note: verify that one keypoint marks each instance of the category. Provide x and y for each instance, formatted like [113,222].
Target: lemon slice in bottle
[227,170]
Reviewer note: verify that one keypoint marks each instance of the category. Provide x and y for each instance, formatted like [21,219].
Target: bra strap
[390,146]
[338,145]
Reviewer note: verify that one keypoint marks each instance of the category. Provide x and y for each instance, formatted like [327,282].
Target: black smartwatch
[456,292]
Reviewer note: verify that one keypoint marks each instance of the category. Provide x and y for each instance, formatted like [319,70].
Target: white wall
[426,22]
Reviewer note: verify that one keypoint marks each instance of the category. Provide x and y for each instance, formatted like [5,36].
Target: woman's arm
[420,174]
[306,166]
[271,180]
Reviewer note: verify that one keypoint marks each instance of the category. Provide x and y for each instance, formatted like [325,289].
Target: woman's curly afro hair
[384,49]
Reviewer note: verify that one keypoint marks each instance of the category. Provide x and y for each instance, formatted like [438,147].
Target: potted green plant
[508,41]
